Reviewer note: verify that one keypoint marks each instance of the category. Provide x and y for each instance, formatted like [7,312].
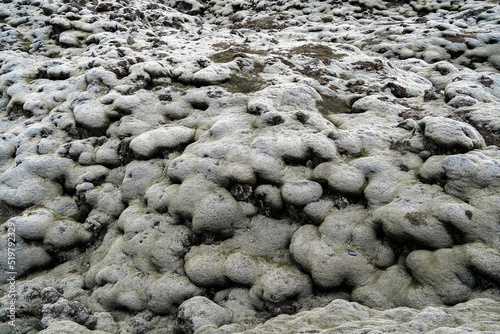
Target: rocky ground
[250,166]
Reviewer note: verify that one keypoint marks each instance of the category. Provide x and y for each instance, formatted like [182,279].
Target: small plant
[264,23]
[369,66]
[416,218]
[455,39]
[232,52]
[332,105]
[401,145]
[246,81]
[319,51]
[243,83]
